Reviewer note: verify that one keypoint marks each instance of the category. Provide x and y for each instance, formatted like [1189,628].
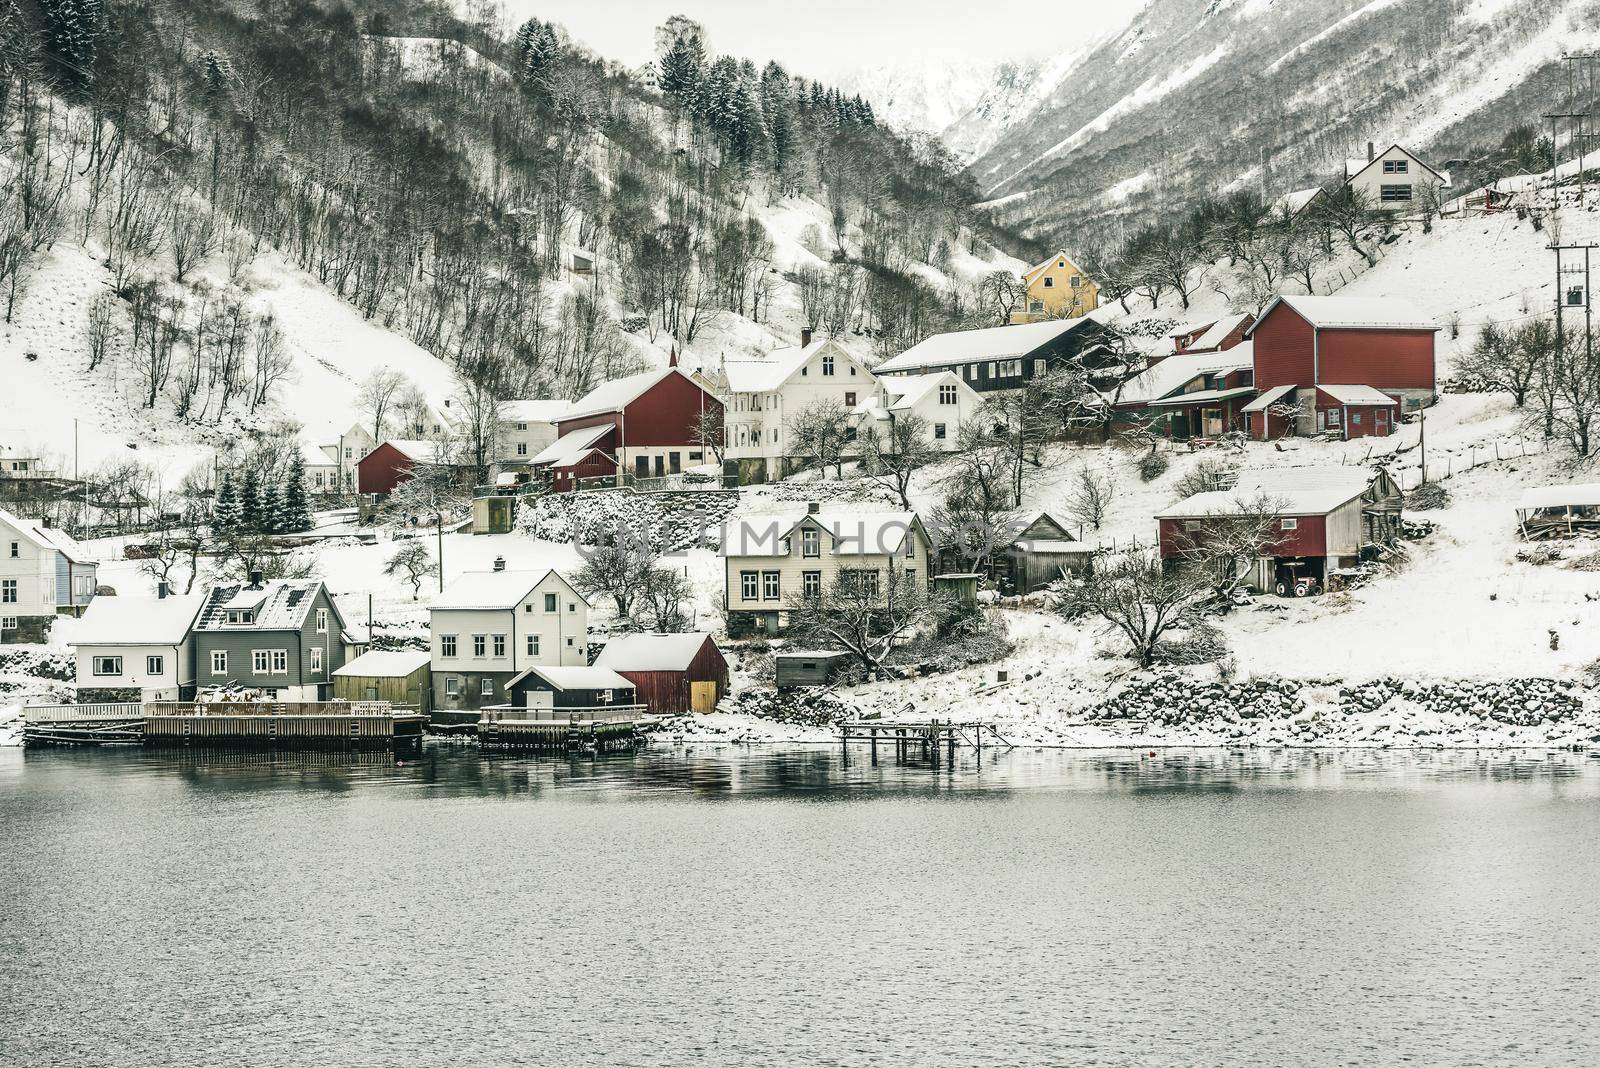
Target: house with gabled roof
[1009,357]
[764,397]
[1346,366]
[773,561]
[1396,179]
[43,573]
[137,648]
[388,465]
[284,638]
[646,425]
[526,428]
[940,399]
[672,674]
[487,626]
[1056,288]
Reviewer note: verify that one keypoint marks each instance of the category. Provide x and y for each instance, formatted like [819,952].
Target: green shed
[399,676]
[803,667]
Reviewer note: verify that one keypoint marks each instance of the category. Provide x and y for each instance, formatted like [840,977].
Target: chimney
[805,336]
[1372,152]
[499,563]
[162,590]
[813,507]
[255,580]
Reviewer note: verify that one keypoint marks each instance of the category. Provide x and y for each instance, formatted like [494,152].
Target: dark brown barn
[674,673]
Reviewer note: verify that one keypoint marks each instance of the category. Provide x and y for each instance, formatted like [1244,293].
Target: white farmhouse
[527,428]
[43,573]
[137,649]
[940,399]
[489,626]
[772,562]
[1395,179]
[763,397]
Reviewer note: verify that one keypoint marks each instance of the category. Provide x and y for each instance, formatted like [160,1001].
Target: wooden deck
[611,727]
[262,724]
[922,737]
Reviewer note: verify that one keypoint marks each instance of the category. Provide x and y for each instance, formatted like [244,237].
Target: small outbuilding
[398,676]
[673,673]
[571,689]
[1546,510]
[809,667]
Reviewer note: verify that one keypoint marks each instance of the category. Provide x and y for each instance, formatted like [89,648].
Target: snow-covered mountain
[923,97]
[1196,96]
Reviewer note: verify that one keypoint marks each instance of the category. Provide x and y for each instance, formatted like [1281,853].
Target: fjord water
[786,907]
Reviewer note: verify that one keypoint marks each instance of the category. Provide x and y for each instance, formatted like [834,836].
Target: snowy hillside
[1269,96]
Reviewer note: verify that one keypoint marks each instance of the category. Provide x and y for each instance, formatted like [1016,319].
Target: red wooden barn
[645,425]
[391,463]
[673,673]
[1344,365]
[1322,516]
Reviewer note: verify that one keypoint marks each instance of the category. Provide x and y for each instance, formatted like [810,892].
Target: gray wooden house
[284,638]
[571,689]
[809,667]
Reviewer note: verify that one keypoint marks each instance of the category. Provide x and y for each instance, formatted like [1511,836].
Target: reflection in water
[791,906]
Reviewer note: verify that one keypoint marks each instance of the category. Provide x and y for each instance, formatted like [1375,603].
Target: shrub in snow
[1428,497]
[669,522]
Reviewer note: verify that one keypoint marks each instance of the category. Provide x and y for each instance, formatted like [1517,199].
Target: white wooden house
[1395,179]
[527,428]
[137,648]
[43,573]
[941,399]
[762,399]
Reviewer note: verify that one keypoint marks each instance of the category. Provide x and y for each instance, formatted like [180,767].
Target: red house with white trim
[1342,365]
[392,462]
[644,426]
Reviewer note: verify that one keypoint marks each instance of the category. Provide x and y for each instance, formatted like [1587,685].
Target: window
[486,688]
[280,661]
[1288,524]
[1036,305]
[1355,417]
[452,686]
[316,661]
[1396,166]
[533,645]
[947,394]
[811,542]
[911,545]
[1049,283]
[8,622]
[155,665]
[108,665]
[602,697]
[749,585]
[827,367]
[260,661]
[1009,369]
[1394,194]
[1040,368]
[569,643]
[771,586]
[1334,417]
[1077,280]
[480,645]
[1061,264]
[938,432]
[16,549]
[849,401]
[522,448]
[572,606]
[522,426]
[811,583]
[8,591]
[322,621]
[499,645]
[550,602]
[858,579]
[972,372]
[219,662]
[447,645]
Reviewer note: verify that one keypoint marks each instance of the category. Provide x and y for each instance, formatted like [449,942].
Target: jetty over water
[925,736]
[599,729]
[263,724]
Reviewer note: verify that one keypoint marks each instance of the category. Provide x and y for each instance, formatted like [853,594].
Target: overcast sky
[824,37]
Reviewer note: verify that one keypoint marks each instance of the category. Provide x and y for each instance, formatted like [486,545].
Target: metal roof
[651,652]
[968,346]
[385,664]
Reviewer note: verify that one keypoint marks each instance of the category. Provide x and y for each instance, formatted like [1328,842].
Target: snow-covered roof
[851,533]
[1175,372]
[572,446]
[1351,313]
[651,652]
[138,620]
[993,343]
[769,372]
[1293,203]
[46,537]
[491,589]
[533,411]
[1290,491]
[1059,255]
[618,394]
[415,449]
[1354,165]
[385,664]
[1357,394]
[1218,332]
[1269,398]
[1334,478]
[576,678]
[278,605]
[1572,495]
[1202,396]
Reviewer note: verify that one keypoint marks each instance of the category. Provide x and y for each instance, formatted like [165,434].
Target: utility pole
[438,520]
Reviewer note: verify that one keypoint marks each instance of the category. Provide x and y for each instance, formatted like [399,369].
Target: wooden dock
[258,724]
[595,730]
[922,737]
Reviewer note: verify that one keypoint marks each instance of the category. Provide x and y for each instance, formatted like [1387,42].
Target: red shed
[1375,353]
[673,673]
[646,425]
[391,463]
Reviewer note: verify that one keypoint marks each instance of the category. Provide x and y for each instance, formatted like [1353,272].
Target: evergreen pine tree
[72,31]
[296,513]
[225,511]
[271,521]
[249,504]
[680,71]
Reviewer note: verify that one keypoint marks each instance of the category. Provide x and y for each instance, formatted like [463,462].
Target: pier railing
[271,708]
[600,714]
[82,713]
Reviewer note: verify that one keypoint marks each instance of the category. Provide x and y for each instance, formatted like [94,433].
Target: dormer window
[241,616]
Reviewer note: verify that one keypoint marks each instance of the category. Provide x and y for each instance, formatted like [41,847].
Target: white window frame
[155,665]
[486,687]
[316,661]
[1288,524]
[1049,282]
[938,432]
[533,645]
[772,585]
[480,646]
[447,646]
[452,686]
[810,583]
[947,394]
[1394,193]
[8,622]
[219,661]
[499,646]
[749,585]
[261,661]
[322,621]
[8,591]
[102,661]
[280,657]
[811,543]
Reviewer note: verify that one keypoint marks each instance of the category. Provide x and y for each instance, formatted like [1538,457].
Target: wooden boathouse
[264,724]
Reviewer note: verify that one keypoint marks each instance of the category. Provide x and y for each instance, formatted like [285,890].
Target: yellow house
[1057,289]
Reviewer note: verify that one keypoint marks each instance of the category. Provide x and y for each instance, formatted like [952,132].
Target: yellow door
[703,696]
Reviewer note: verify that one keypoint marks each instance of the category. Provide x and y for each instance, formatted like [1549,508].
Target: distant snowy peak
[922,97]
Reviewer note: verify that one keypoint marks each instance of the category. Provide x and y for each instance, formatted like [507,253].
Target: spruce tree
[225,511]
[271,521]
[249,504]
[72,32]
[680,71]
[296,513]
